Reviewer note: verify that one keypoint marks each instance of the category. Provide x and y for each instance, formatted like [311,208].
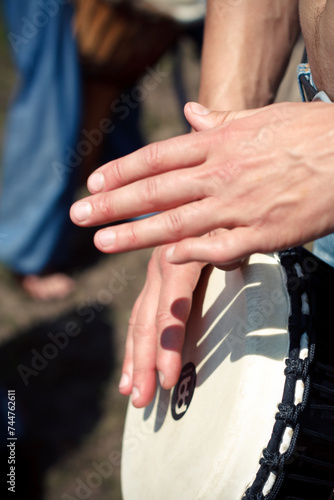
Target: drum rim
[270,474]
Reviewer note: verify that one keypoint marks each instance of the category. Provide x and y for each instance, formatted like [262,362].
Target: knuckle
[141,331]
[224,172]
[118,173]
[174,224]
[153,156]
[105,205]
[162,319]
[141,373]
[150,191]
[221,174]
[133,234]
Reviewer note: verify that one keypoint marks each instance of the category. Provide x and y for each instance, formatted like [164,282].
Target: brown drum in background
[117,40]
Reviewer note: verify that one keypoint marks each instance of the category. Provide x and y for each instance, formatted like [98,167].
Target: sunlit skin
[256,180]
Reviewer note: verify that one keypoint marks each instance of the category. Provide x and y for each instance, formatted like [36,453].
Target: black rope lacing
[297,367]
[290,415]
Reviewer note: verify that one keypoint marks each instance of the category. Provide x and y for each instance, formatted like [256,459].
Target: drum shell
[117,41]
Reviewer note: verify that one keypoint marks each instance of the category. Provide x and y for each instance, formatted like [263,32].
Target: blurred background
[62,355]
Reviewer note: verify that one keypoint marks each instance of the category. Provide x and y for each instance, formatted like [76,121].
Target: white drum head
[203,440]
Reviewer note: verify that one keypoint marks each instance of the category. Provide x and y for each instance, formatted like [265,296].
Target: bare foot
[48,287]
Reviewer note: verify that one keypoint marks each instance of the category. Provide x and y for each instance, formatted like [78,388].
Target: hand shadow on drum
[245,319]
[253,299]
[162,406]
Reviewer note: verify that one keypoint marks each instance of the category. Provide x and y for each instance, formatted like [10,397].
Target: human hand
[264,176]
[157,327]
[162,310]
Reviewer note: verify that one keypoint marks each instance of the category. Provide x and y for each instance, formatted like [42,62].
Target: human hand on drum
[247,175]
[250,185]
[157,327]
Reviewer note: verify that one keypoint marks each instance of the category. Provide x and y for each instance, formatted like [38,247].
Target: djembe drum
[119,39]
[252,415]
[118,42]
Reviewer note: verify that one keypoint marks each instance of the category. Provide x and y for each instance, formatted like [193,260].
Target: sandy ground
[63,359]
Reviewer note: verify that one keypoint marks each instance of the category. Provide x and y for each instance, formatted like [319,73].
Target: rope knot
[289,413]
[272,461]
[297,367]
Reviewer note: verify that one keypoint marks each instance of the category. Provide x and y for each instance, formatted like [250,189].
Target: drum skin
[203,439]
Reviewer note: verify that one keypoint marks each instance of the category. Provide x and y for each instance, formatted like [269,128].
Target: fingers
[172,154]
[159,157]
[175,301]
[145,181]
[142,345]
[145,196]
[156,329]
[224,250]
[191,219]
[201,118]
[125,384]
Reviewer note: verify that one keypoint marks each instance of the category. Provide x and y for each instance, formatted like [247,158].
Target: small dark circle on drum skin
[183,391]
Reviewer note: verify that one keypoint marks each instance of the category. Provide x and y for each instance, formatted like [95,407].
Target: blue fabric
[324,249]
[42,124]
[303,69]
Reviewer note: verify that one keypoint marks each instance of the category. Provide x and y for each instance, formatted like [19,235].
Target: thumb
[201,118]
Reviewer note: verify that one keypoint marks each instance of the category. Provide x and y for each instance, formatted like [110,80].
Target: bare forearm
[247,46]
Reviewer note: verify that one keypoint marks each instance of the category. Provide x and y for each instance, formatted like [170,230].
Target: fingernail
[107,237]
[81,211]
[161,378]
[198,109]
[170,252]
[124,382]
[96,182]
[135,394]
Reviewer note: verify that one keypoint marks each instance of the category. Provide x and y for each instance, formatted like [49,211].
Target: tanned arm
[247,46]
